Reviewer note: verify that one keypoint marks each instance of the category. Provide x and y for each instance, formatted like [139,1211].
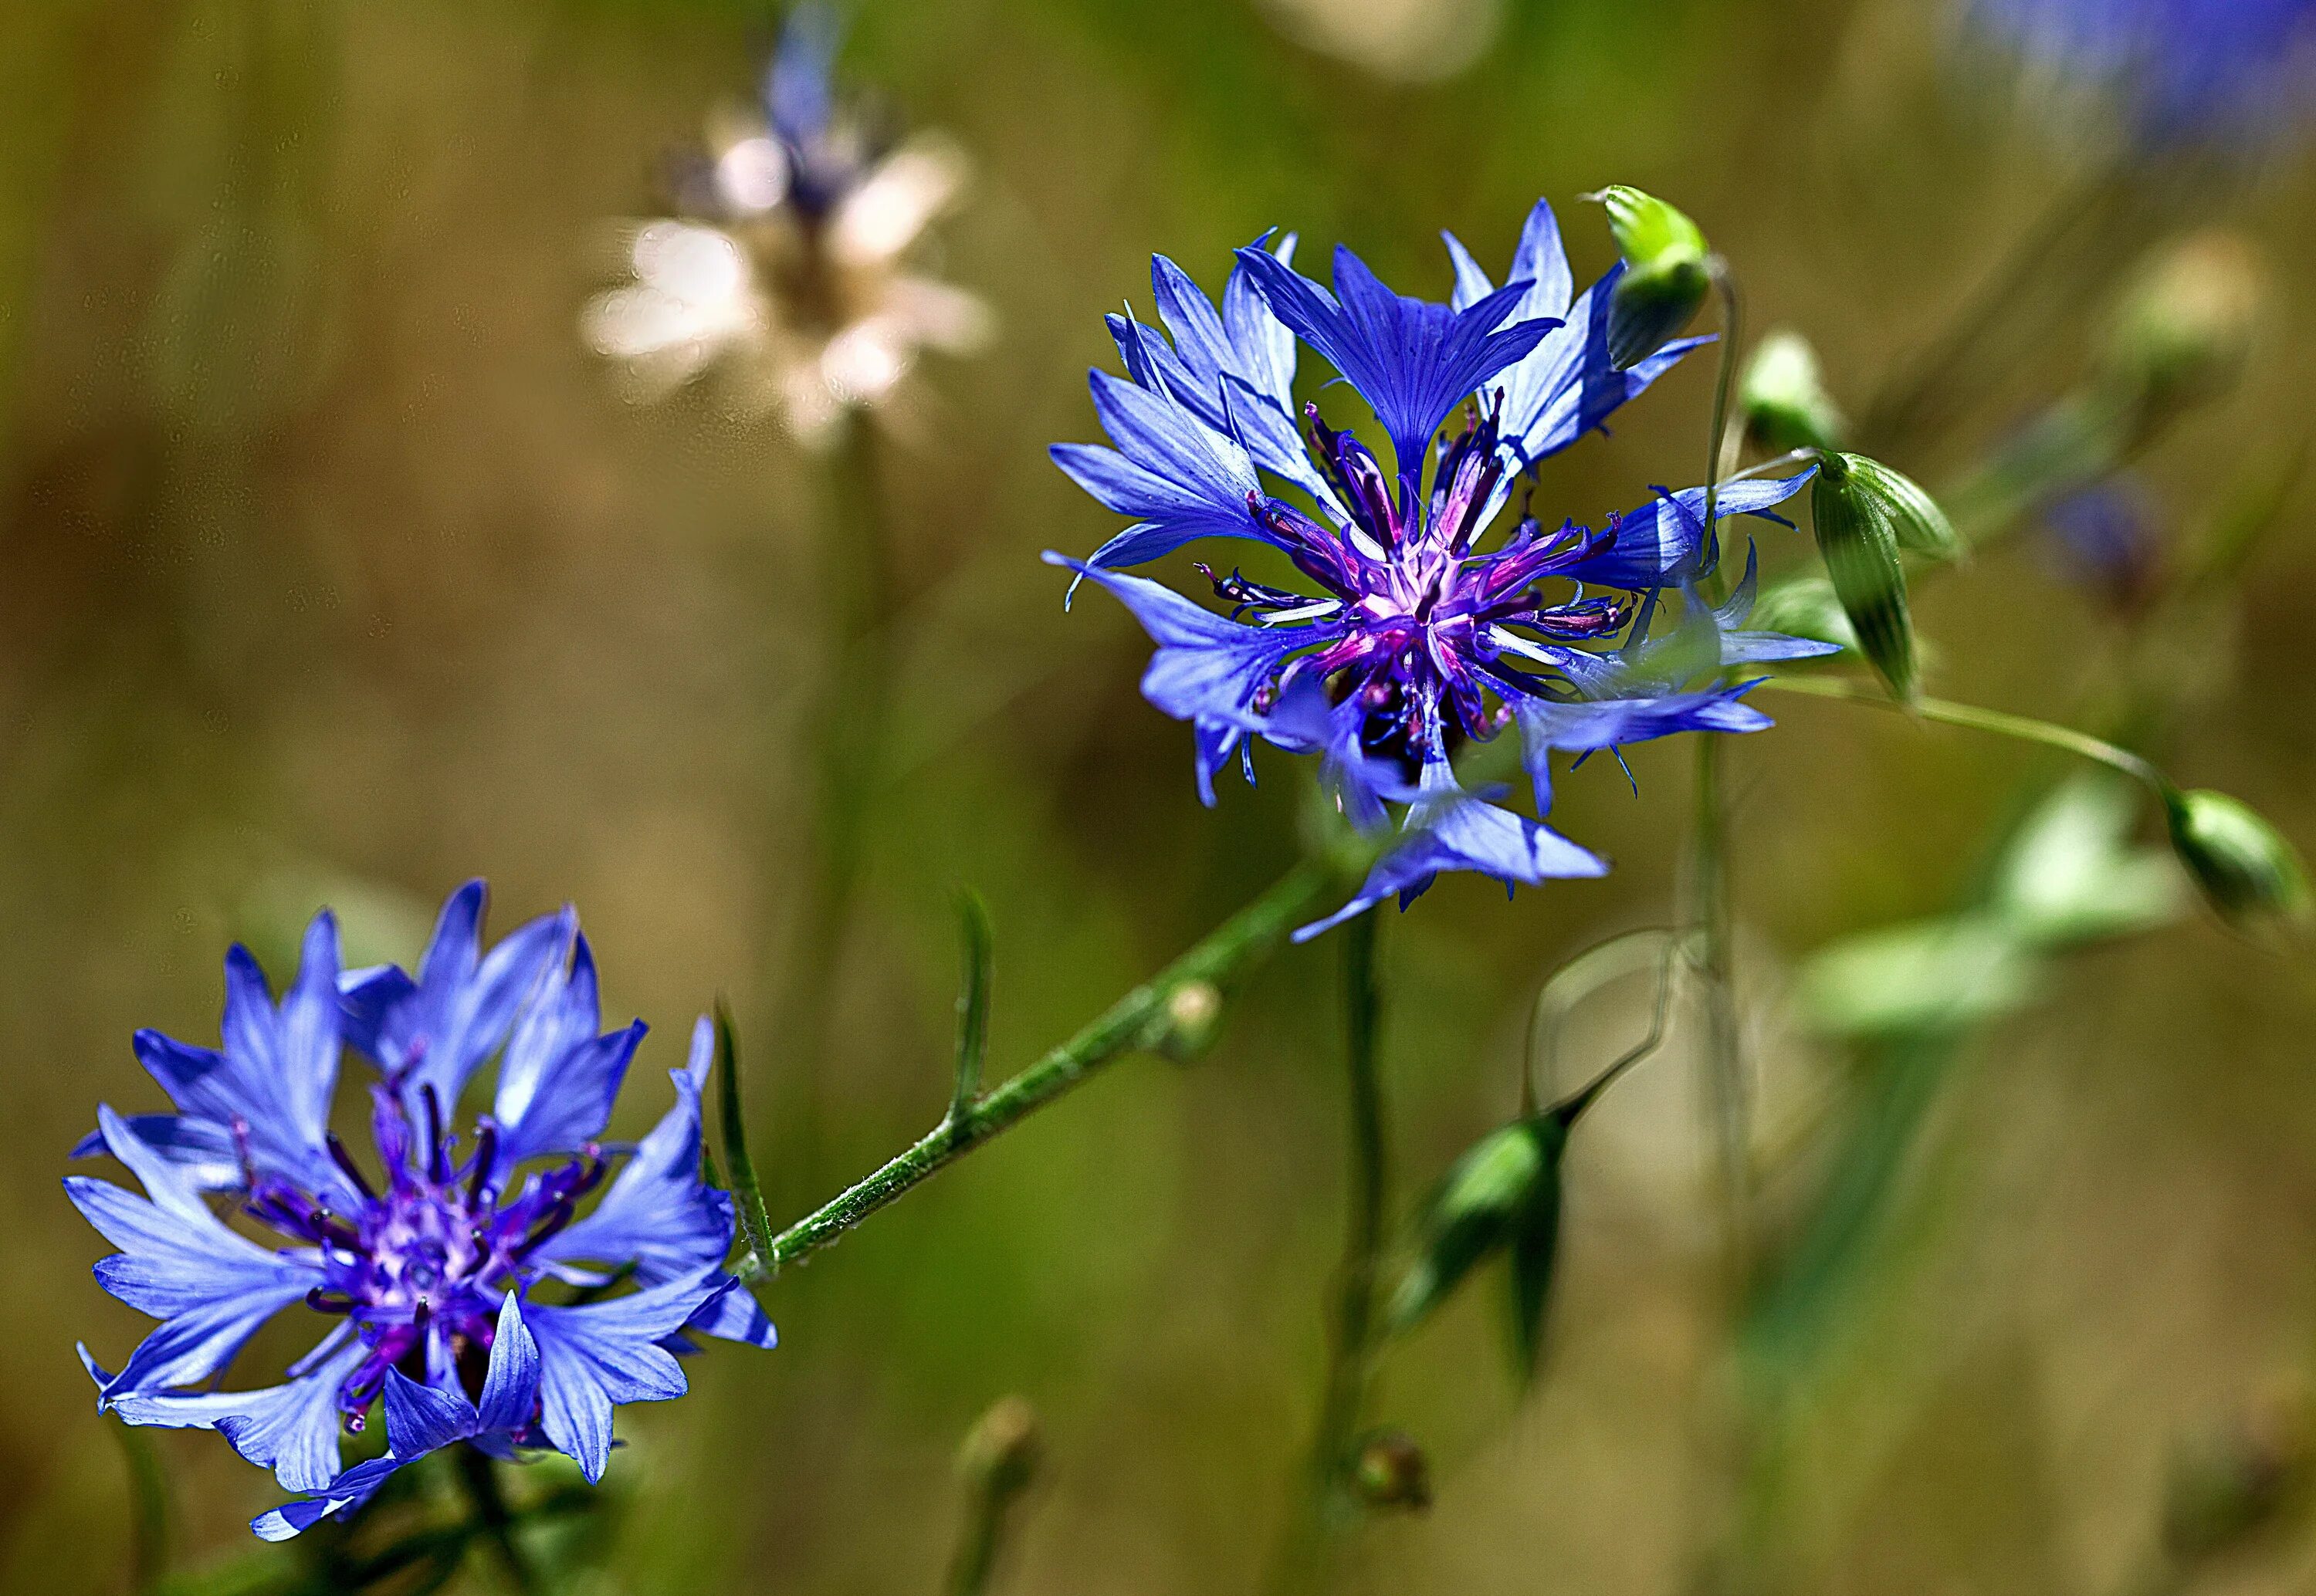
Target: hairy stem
[1141,1018]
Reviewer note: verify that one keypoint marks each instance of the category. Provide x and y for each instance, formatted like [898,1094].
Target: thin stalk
[479,1478]
[856,687]
[2002,725]
[148,1510]
[1725,284]
[1727,1099]
[1139,1019]
[1351,1350]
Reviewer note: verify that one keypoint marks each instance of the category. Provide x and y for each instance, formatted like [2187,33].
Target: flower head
[788,266]
[2184,72]
[443,1267]
[1411,630]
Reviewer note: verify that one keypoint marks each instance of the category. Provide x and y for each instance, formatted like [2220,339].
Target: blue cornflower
[2185,71]
[436,1267]
[1418,639]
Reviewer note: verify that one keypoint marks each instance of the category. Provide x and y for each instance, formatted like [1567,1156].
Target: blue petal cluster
[1418,637]
[438,1267]
[2185,71]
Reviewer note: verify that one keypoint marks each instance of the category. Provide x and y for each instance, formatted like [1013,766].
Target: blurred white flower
[1405,40]
[790,277]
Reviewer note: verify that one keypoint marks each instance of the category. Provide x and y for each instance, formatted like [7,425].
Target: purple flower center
[419,1269]
[1424,625]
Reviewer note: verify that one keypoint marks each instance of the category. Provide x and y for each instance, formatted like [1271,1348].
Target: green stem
[1732,332]
[856,685]
[1140,1019]
[1726,1096]
[1350,1353]
[149,1508]
[477,1475]
[2023,727]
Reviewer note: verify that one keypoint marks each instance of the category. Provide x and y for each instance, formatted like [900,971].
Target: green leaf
[1859,540]
[747,1195]
[1535,1250]
[972,1006]
[1931,976]
[2069,877]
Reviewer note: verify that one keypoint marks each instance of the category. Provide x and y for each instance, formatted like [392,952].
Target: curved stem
[2023,727]
[1141,1018]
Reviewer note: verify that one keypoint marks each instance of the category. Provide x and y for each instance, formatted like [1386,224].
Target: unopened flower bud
[1857,518]
[1783,397]
[1193,1017]
[1001,1451]
[1506,1183]
[2184,332]
[2248,872]
[1668,272]
[1391,1471]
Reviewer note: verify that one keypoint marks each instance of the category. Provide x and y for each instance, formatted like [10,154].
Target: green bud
[2185,331]
[1857,534]
[1389,1470]
[1503,1194]
[1001,1451]
[1668,272]
[1783,396]
[1191,1020]
[2248,873]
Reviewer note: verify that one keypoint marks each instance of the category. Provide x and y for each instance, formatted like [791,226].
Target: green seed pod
[1920,526]
[1668,271]
[1783,396]
[1389,1470]
[2248,873]
[1857,534]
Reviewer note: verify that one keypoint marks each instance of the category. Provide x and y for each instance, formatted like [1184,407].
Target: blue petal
[1414,362]
[349,1491]
[292,1428]
[511,1380]
[1208,666]
[201,1150]
[1589,726]
[560,1078]
[421,1419]
[659,1214]
[735,1315]
[593,1358]
[1658,543]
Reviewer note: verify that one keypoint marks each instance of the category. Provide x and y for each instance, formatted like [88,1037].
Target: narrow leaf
[972,1006]
[747,1196]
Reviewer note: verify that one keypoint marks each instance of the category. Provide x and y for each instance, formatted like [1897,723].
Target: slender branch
[1140,1019]
[1726,1094]
[1571,1106]
[972,1007]
[2003,724]
[1725,283]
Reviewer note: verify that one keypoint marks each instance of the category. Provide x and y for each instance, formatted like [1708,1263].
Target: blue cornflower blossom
[436,1268]
[1418,640]
[2185,71]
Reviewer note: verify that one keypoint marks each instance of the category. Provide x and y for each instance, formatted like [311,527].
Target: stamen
[329,1302]
[487,1147]
[344,1160]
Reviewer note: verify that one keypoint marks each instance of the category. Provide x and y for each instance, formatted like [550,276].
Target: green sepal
[1503,1193]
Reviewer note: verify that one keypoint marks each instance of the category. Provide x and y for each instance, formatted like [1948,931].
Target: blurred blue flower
[1417,639]
[2230,72]
[429,1269]
[2104,538]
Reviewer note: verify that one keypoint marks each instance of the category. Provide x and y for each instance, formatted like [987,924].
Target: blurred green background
[333,569]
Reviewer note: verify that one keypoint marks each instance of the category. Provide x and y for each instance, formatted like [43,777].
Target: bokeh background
[333,568]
